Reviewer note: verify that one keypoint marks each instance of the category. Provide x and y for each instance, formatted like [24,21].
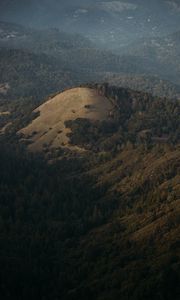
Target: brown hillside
[48,129]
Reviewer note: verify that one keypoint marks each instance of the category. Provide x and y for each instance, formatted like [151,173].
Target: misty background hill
[98,39]
[109,23]
[37,62]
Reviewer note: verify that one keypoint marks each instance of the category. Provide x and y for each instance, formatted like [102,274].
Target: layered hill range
[49,129]
[36,63]
[109,23]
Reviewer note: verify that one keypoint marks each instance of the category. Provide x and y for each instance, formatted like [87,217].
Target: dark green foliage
[31,76]
[43,210]
[103,224]
[150,84]
[137,117]
[65,236]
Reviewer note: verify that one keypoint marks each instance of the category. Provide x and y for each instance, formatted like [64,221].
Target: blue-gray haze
[108,23]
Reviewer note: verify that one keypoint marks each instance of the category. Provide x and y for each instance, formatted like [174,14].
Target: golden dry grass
[49,128]
[3,129]
[4,113]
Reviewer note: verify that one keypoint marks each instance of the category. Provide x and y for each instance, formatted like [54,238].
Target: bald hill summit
[90,195]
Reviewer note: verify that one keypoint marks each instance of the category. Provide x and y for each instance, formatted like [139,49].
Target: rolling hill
[49,130]
[100,117]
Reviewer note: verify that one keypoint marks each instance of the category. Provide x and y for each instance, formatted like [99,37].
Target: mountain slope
[101,118]
[96,224]
[136,253]
[49,128]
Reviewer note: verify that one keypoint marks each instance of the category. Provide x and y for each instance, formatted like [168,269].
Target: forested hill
[150,84]
[98,224]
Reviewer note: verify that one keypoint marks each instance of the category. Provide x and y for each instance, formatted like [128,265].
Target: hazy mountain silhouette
[109,23]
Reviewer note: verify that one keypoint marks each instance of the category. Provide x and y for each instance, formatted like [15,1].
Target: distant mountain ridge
[160,55]
[109,23]
[151,84]
[15,35]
